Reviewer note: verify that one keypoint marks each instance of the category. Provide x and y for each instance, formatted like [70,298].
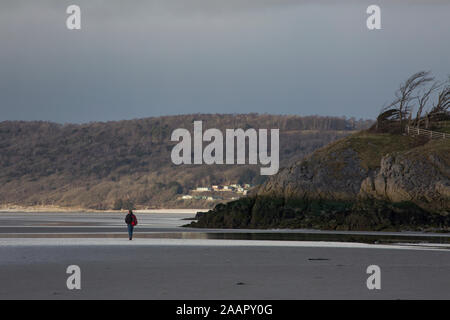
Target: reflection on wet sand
[274,236]
[169,226]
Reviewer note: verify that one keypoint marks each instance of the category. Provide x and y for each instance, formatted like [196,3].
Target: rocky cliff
[367,181]
[420,175]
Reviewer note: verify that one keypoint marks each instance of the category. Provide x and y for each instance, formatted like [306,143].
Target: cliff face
[421,176]
[366,181]
[337,177]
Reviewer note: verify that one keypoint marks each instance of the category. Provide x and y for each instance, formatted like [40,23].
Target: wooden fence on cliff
[427,133]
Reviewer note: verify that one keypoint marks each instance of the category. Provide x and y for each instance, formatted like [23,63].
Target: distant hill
[127,163]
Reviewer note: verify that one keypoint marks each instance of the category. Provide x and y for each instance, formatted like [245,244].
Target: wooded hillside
[98,165]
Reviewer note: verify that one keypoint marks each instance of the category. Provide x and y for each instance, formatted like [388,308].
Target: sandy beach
[166,261]
[225,272]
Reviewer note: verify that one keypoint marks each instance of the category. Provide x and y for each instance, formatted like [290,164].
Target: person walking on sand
[131,222]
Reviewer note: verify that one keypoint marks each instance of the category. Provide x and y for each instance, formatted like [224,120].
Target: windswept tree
[440,110]
[399,109]
[443,102]
[423,99]
[405,94]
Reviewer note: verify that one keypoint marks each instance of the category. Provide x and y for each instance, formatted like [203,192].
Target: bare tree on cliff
[423,101]
[440,111]
[399,109]
[443,103]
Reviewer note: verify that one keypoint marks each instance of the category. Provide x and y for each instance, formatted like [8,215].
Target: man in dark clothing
[131,222]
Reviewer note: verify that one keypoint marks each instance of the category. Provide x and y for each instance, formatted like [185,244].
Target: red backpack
[134,221]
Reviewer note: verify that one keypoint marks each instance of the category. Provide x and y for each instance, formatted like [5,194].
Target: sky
[134,59]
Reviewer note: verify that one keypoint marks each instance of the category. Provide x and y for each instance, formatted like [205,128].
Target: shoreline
[138,242]
[55,209]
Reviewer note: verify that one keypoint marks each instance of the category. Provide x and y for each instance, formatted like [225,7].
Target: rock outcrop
[423,179]
[367,181]
[420,175]
[338,176]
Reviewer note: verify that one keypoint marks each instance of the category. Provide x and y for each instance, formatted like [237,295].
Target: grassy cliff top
[440,148]
[371,147]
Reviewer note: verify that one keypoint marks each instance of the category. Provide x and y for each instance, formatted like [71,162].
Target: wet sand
[221,272]
[178,268]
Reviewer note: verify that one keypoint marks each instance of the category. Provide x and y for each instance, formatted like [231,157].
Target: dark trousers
[130,231]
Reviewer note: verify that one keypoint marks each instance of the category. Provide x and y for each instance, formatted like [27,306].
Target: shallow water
[168,226]
[261,236]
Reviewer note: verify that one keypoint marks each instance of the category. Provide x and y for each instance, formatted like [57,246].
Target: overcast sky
[139,58]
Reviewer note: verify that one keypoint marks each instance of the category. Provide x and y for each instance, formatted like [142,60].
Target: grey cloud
[147,58]
[187,6]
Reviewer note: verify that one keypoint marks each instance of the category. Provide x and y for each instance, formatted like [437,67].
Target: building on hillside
[202,189]
[213,198]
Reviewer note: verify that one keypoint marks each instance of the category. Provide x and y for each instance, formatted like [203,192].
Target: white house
[203,189]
